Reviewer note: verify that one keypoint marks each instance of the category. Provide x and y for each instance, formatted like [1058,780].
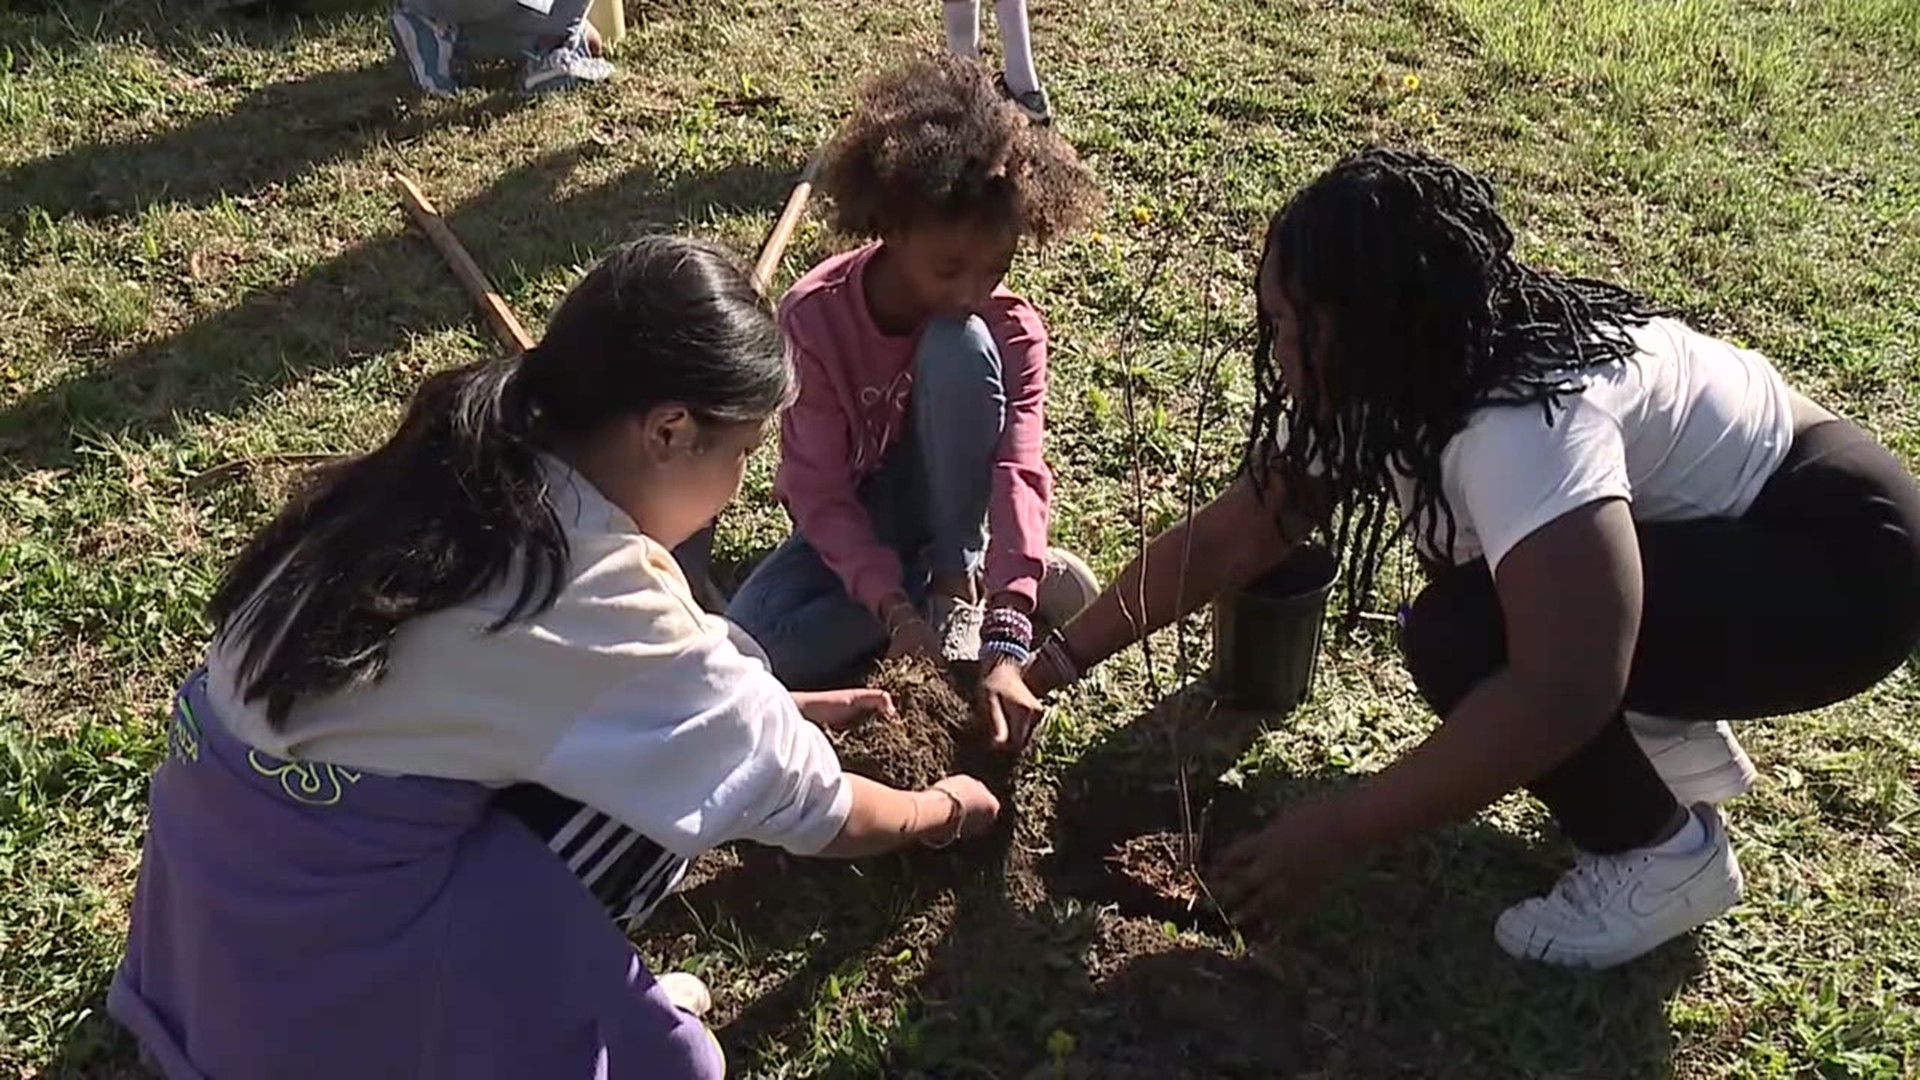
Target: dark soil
[919,744]
[1158,861]
[1118,850]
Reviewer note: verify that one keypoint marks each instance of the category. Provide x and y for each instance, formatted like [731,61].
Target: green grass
[200,262]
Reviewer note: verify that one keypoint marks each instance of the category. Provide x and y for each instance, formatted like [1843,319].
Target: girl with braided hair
[1633,532]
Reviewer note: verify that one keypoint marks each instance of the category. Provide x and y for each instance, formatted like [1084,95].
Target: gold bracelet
[959,818]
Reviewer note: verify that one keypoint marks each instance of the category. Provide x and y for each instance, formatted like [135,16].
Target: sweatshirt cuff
[826,828]
[1019,574]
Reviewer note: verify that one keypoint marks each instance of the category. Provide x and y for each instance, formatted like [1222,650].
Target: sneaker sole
[1553,951]
[557,81]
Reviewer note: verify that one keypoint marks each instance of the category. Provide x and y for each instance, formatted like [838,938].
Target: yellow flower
[1142,215]
[1099,237]
[1410,82]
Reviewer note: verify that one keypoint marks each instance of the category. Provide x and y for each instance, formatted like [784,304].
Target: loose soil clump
[919,744]
[1116,849]
[1155,861]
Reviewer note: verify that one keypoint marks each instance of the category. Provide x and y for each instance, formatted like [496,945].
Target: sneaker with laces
[1610,909]
[958,622]
[1067,586]
[567,67]
[1033,103]
[686,992]
[425,48]
[1701,763]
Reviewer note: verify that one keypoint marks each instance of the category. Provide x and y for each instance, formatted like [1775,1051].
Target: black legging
[1810,598]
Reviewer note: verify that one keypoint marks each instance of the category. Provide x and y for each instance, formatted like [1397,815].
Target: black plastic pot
[1266,637]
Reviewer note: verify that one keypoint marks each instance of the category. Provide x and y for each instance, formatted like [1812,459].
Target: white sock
[963,27]
[1688,840]
[1014,41]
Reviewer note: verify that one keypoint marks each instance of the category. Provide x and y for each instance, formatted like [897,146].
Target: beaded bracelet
[1006,634]
[994,648]
[1007,624]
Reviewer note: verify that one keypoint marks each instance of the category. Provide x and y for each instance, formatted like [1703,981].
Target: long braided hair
[1412,313]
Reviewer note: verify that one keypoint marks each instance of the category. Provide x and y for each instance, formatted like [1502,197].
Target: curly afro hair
[933,141]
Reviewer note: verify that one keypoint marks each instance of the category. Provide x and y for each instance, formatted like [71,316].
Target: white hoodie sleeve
[701,745]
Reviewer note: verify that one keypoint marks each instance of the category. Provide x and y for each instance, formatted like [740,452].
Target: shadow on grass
[1392,971]
[97,1048]
[365,301]
[271,137]
[1001,959]
[56,27]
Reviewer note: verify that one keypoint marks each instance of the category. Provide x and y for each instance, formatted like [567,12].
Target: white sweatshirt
[624,695]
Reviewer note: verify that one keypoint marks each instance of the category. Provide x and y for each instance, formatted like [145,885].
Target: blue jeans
[503,29]
[928,502]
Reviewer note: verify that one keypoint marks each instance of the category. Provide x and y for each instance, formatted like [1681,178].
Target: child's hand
[972,810]
[914,636]
[839,709]
[1008,707]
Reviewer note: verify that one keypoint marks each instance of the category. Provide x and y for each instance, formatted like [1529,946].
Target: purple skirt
[298,919]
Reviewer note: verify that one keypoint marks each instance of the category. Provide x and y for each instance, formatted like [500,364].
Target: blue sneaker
[565,68]
[425,47]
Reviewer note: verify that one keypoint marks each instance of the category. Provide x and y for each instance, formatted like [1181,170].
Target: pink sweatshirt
[855,384]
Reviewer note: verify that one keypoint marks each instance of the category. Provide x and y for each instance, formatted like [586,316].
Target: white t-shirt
[624,695]
[1689,427]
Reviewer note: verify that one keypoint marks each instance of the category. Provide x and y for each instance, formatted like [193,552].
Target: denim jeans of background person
[435,38]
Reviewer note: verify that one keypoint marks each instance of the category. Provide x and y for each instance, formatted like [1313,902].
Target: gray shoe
[566,68]
[1067,586]
[958,623]
[1033,103]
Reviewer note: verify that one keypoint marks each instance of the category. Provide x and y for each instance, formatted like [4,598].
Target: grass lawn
[201,263]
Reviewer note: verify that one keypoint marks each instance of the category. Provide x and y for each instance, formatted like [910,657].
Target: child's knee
[955,356]
[958,391]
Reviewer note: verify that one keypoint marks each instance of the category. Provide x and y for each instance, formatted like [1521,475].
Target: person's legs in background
[962,19]
[553,44]
[1018,81]
[1810,598]
[424,41]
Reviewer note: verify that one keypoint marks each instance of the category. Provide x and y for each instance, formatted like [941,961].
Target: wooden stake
[789,219]
[610,18]
[493,308]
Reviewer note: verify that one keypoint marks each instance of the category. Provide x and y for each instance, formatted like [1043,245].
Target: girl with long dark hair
[1634,532]
[343,876]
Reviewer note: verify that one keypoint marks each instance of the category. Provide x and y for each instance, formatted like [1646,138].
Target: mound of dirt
[1155,861]
[919,743]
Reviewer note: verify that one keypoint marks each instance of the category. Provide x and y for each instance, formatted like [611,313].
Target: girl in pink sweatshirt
[923,382]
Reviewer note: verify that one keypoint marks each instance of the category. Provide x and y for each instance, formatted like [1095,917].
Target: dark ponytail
[455,504]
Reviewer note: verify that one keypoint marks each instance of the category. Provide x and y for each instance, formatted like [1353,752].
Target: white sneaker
[958,623]
[686,992]
[1067,586]
[1701,763]
[1611,908]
